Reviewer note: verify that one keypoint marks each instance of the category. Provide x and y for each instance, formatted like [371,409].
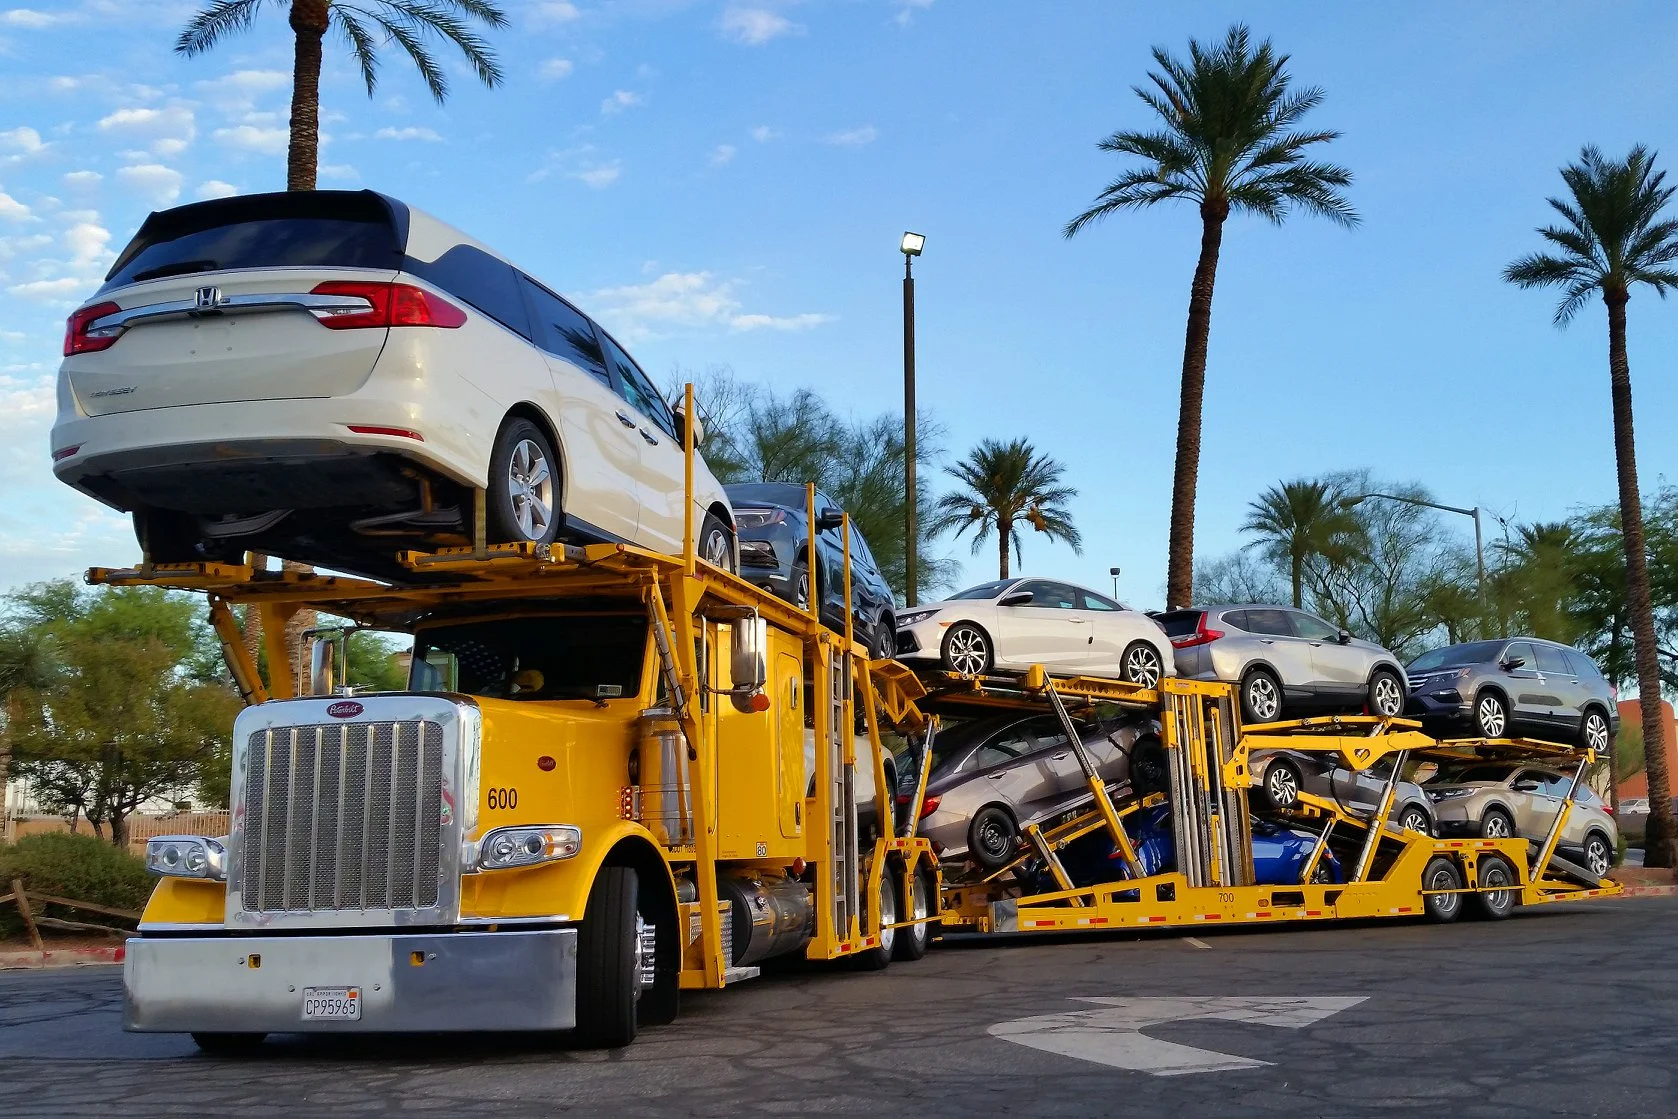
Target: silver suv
[1503,799]
[1496,689]
[1285,660]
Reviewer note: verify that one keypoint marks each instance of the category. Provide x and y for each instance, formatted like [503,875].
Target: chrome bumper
[462,982]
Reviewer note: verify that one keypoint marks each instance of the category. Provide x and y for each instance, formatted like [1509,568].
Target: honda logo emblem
[208,299]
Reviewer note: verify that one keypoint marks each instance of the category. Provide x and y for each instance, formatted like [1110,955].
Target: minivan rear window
[319,229]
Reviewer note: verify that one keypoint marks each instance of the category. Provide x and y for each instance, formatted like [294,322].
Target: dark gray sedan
[992,776]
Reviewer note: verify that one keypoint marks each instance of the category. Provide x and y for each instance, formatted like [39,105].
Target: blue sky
[725,184]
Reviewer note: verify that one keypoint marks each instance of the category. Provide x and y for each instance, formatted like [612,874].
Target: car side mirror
[1526,786]
[1513,663]
[1018,598]
[829,519]
[1344,637]
[682,422]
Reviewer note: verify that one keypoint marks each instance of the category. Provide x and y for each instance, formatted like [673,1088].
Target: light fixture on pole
[1479,545]
[1114,572]
[910,247]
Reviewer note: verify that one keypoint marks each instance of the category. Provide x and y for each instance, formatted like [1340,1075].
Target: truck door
[791,781]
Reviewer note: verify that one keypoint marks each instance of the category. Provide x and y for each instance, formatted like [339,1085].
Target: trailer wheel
[912,942]
[992,837]
[879,957]
[1441,873]
[1495,904]
[608,962]
[228,1045]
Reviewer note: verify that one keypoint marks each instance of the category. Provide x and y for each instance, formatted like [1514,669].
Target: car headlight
[507,848]
[1446,794]
[914,617]
[187,856]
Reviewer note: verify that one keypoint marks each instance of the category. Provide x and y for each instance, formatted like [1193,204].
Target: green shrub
[79,867]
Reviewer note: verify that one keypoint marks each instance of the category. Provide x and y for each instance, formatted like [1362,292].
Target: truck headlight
[187,856]
[506,848]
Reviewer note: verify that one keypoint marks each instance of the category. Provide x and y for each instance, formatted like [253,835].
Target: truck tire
[1441,873]
[1497,904]
[878,958]
[912,942]
[607,958]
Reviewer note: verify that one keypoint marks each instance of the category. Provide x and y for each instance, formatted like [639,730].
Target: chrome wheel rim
[888,913]
[1262,698]
[801,591]
[716,551]
[1282,785]
[1388,699]
[1496,827]
[645,954]
[1443,879]
[1414,821]
[967,651]
[1491,717]
[1495,876]
[1141,666]
[1596,732]
[530,486]
[918,908]
[1596,857]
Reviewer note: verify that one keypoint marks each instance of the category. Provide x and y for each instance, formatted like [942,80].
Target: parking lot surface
[1566,1010]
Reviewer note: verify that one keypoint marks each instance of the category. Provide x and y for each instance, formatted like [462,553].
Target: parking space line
[1195,942]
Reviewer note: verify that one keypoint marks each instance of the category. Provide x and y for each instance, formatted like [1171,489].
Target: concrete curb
[61,957]
[1648,891]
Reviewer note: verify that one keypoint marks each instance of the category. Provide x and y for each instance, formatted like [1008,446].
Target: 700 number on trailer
[503,798]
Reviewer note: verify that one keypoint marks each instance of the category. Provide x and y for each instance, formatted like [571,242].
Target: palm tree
[1298,521]
[407,23]
[1229,143]
[1613,236]
[1004,484]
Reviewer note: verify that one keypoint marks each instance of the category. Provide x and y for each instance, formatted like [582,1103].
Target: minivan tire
[715,544]
[166,536]
[523,451]
[1386,690]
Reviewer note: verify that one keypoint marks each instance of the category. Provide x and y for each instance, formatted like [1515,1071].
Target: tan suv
[1502,799]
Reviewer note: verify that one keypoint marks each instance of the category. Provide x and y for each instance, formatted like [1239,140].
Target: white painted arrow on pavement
[1112,1035]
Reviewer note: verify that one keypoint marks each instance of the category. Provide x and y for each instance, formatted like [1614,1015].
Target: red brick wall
[1637,785]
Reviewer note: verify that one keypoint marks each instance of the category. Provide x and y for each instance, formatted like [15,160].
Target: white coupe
[1016,623]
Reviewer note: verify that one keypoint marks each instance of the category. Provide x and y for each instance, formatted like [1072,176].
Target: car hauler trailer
[1387,871]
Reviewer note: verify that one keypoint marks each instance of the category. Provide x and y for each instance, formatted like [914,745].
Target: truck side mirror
[328,660]
[749,662]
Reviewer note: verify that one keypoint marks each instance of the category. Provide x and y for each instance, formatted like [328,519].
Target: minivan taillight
[389,305]
[81,338]
[1201,636]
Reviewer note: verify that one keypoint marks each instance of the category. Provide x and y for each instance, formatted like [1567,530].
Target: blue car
[1279,854]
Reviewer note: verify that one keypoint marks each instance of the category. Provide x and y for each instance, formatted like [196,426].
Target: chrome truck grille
[349,820]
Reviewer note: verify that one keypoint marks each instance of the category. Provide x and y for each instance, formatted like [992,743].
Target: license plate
[332,1004]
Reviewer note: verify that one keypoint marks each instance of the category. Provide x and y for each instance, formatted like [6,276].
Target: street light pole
[911,247]
[1114,572]
[1479,542]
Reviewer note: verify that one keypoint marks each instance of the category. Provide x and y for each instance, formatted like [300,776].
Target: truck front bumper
[408,983]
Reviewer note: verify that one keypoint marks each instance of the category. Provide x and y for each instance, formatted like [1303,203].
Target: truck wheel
[878,957]
[1441,873]
[228,1045]
[912,942]
[608,962]
[1495,904]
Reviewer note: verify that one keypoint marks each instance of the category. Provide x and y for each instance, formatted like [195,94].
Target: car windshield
[578,656]
[984,590]
[768,493]
[1464,775]
[1455,656]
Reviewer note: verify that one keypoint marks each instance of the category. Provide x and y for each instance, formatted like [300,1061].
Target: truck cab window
[578,656]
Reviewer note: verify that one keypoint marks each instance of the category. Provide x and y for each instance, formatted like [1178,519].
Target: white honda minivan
[327,376]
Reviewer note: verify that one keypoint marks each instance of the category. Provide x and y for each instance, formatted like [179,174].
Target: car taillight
[1201,636]
[929,806]
[389,305]
[80,338]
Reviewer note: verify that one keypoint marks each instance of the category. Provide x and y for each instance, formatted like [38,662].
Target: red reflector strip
[398,432]
[65,452]
[1208,916]
[1313,913]
[1160,920]
[1041,924]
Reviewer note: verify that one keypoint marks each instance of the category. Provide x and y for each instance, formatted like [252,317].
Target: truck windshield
[577,656]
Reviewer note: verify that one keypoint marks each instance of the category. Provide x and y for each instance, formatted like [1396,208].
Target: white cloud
[33,20]
[763,134]
[23,244]
[407,134]
[337,171]
[906,14]
[619,101]
[22,139]
[755,26]
[158,184]
[852,137]
[599,177]
[553,11]
[245,84]
[554,69]
[87,242]
[247,137]
[49,291]
[175,122]
[169,148]
[216,188]
[722,154]
[82,180]
[13,210]
[694,300]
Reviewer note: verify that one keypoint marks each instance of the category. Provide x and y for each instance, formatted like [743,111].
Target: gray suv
[1496,689]
[1285,661]
[1503,799]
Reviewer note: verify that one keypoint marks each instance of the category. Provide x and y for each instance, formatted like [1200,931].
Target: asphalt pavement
[1562,1010]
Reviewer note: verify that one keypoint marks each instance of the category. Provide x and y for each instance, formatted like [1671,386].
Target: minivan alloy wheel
[530,485]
